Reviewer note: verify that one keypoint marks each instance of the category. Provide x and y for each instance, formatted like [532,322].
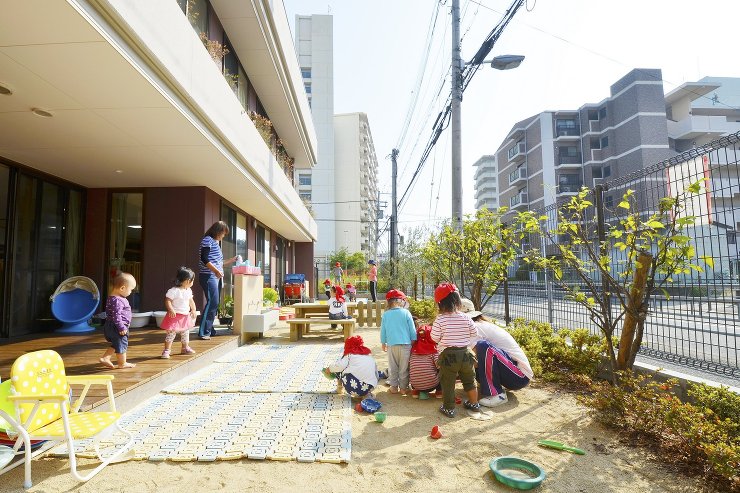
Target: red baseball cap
[396,294]
[443,290]
[338,264]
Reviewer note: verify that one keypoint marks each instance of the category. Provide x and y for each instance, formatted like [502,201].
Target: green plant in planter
[226,308]
[269,296]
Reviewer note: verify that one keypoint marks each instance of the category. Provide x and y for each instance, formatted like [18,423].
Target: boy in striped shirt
[454,332]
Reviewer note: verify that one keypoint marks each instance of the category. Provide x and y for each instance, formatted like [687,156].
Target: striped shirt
[453,330]
[423,374]
[215,256]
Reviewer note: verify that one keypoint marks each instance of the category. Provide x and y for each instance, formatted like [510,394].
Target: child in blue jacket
[397,332]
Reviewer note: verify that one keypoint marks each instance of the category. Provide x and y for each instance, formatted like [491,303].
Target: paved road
[678,331]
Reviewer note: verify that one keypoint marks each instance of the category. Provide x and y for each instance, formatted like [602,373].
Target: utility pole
[394,214]
[455,119]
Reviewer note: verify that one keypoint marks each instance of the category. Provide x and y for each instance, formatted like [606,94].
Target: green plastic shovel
[560,446]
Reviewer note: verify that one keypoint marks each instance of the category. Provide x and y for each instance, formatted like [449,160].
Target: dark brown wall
[96,235]
[304,264]
[174,222]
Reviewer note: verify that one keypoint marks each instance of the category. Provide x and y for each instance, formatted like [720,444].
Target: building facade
[550,156]
[127,129]
[356,184]
[486,183]
[314,41]
[342,188]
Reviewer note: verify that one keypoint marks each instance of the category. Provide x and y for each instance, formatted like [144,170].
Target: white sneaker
[494,400]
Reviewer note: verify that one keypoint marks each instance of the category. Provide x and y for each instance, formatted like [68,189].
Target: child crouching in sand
[356,369]
[454,332]
[423,371]
[117,320]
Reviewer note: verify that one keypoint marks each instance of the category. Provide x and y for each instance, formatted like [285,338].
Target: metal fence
[699,323]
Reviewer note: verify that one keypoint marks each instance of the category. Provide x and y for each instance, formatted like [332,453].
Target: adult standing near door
[211,274]
[372,278]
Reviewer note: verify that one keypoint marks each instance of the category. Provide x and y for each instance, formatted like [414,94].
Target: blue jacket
[397,327]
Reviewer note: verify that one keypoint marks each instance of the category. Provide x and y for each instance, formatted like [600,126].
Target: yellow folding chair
[40,392]
[11,457]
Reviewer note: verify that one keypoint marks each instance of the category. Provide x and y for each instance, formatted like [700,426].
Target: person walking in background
[327,288]
[211,273]
[338,273]
[501,361]
[454,332]
[372,279]
[118,320]
[180,312]
[397,332]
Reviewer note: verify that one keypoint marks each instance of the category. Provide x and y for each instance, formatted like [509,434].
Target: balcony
[517,152]
[572,161]
[520,200]
[570,188]
[568,131]
[519,174]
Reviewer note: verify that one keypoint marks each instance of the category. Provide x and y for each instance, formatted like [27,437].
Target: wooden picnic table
[307,310]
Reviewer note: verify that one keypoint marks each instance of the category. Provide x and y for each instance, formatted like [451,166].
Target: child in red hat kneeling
[423,371]
[356,369]
[397,332]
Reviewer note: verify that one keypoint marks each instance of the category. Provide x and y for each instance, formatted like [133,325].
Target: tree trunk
[625,358]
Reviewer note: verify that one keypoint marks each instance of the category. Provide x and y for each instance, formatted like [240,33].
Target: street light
[501,62]
[506,62]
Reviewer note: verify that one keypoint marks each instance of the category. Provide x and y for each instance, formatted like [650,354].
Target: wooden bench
[299,325]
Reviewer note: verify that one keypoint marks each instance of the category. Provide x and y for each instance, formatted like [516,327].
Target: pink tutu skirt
[179,323]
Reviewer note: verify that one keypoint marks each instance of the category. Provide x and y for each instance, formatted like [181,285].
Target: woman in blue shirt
[210,275]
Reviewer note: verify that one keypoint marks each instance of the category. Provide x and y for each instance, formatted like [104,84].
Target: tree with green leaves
[480,254]
[653,247]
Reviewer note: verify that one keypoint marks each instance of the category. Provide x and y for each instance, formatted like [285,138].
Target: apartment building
[356,184]
[128,128]
[548,157]
[314,44]
[486,182]
[342,188]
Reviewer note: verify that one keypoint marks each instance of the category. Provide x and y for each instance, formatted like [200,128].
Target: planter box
[254,324]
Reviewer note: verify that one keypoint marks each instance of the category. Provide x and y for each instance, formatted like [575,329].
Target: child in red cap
[356,369]
[327,288]
[337,305]
[397,332]
[454,332]
[338,273]
[351,292]
[423,371]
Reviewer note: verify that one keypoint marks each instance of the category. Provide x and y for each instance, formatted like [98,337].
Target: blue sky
[575,50]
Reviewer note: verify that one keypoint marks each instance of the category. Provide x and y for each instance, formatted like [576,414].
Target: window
[596,172]
[604,142]
[306,72]
[308,88]
[602,113]
[593,115]
[304,179]
[305,196]
[731,237]
[607,171]
[570,151]
[595,143]
[566,127]
[608,201]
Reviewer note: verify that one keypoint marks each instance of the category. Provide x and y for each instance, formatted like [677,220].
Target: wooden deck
[81,353]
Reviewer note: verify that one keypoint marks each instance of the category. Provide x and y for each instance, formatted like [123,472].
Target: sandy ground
[399,455]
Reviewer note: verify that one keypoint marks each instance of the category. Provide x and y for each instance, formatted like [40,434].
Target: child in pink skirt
[180,312]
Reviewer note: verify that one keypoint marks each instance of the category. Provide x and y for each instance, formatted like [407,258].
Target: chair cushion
[83,425]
